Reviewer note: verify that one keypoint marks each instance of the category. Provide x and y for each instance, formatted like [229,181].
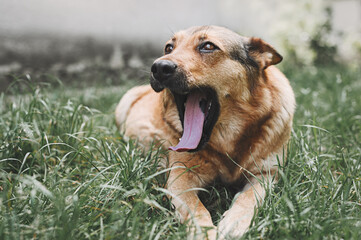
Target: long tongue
[193,123]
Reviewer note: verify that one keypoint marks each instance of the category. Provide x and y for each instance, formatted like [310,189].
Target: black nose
[163,69]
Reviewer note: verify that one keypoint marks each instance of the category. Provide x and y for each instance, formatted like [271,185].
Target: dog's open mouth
[198,112]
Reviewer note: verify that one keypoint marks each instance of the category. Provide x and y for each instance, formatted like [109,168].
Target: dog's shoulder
[282,86]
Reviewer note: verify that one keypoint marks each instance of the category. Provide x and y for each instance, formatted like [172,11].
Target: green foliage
[304,32]
[66,172]
[325,52]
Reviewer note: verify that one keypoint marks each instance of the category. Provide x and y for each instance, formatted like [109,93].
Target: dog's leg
[183,185]
[238,218]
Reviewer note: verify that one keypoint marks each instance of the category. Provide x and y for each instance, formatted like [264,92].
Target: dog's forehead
[221,35]
[215,31]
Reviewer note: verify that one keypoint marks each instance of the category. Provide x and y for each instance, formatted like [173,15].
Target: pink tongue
[193,124]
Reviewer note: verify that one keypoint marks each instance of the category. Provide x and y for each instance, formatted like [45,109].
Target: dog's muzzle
[198,107]
[167,74]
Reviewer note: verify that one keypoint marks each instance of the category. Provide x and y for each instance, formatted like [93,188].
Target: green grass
[66,172]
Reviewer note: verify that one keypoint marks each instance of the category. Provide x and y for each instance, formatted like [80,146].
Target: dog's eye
[207,47]
[168,48]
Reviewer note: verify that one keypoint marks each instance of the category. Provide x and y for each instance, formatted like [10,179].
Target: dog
[224,111]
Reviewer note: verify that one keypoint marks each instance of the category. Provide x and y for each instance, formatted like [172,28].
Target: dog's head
[202,66]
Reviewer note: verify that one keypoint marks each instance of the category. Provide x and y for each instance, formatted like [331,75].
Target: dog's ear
[263,53]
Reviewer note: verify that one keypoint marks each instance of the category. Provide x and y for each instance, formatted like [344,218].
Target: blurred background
[109,42]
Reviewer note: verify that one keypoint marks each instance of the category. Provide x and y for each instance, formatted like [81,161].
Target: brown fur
[252,130]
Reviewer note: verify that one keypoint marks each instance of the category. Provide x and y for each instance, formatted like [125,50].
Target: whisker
[145,71]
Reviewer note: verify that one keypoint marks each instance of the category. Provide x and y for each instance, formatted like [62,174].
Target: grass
[66,172]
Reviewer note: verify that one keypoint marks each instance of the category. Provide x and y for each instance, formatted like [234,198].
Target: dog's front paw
[234,223]
[202,233]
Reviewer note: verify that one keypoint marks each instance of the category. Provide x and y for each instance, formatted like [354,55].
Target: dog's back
[129,98]
[135,119]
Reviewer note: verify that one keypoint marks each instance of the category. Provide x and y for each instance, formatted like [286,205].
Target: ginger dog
[218,103]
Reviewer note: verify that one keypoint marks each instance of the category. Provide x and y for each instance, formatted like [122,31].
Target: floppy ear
[263,53]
